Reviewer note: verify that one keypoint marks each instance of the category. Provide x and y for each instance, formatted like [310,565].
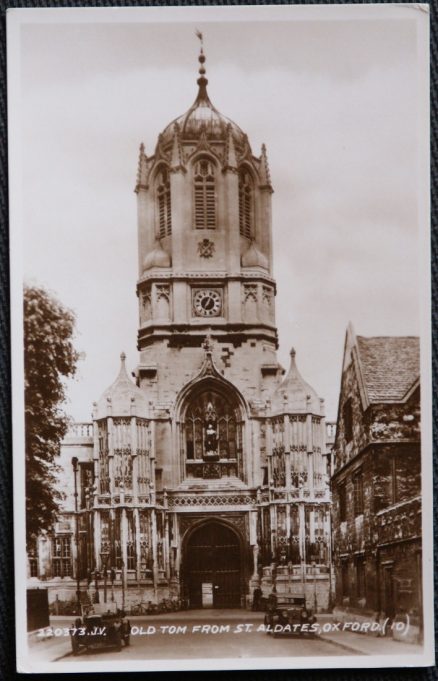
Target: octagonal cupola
[121,398]
[297,427]
[204,230]
[294,395]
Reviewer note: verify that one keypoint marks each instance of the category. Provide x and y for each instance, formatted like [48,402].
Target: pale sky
[337,103]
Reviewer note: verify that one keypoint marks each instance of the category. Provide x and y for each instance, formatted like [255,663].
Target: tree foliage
[49,358]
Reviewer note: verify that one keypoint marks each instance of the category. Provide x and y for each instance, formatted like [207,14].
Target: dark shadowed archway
[213,566]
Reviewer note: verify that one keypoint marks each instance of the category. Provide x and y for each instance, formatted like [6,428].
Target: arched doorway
[213,567]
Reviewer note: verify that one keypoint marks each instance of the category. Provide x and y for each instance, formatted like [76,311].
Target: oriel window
[246,204]
[164,204]
[205,194]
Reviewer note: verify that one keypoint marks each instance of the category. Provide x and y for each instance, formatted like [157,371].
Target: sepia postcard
[220,257]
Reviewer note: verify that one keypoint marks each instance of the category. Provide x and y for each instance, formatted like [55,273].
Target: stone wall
[366,532]
[405,562]
[175,367]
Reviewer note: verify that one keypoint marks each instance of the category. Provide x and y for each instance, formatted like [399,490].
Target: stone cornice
[188,336]
[210,276]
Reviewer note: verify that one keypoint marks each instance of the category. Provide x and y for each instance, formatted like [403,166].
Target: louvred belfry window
[245,204]
[205,195]
[164,204]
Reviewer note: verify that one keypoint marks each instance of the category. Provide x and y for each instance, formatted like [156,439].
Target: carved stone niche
[249,302]
[146,304]
[162,301]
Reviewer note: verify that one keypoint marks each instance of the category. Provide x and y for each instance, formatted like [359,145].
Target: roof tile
[390,366]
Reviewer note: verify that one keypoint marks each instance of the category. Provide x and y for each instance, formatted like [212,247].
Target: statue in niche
[283,556]
[210,441]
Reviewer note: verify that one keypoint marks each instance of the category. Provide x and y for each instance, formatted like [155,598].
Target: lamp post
[113,576]
[104,555]
[123,584]
[87,511]
[74,463]
[96,586]
[314,587]
[92,568]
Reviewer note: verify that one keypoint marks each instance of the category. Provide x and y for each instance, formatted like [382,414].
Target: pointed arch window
[164,204]
[213,436]
[211,428]
[205,194]
[246,204]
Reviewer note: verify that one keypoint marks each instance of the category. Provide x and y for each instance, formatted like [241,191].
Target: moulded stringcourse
[206,500]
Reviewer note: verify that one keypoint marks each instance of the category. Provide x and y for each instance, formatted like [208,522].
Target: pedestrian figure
[256,598]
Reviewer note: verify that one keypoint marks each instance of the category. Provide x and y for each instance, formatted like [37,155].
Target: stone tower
[208,478]
[205,255]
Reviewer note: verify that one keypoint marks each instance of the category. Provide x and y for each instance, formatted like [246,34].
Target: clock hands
[208,302]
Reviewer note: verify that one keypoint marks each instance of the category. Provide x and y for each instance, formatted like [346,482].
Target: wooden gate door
[213,567]
[388,585]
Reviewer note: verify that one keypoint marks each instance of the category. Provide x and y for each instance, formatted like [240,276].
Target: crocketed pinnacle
[176,159]
[264,169]
[230,151]
[142,169]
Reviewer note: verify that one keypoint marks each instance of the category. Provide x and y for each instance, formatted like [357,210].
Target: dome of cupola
[122,398]
[294,395]
[254,258]
[157,258]
[203,118]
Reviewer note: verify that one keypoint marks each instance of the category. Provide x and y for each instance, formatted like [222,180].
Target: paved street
[220,633]
[214,634]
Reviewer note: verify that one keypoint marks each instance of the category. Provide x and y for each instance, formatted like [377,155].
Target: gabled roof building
[376,481]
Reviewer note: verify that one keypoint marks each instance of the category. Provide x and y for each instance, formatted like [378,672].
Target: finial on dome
[122,357]
[202,80]
[293,353]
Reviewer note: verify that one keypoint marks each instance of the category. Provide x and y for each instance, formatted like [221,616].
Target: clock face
[207,303]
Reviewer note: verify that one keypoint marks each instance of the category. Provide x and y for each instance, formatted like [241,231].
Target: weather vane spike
[201,37]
